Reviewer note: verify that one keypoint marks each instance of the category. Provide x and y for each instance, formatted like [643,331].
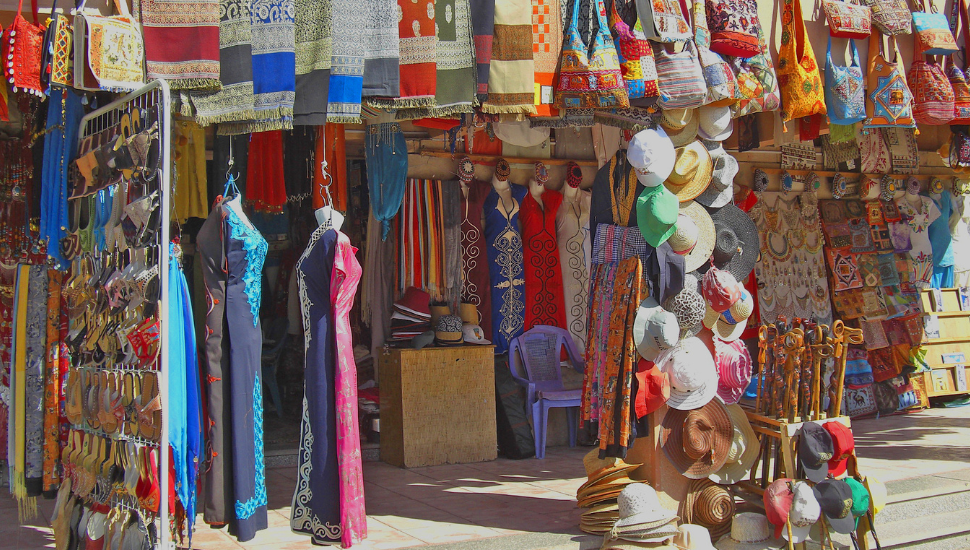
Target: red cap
[842,445]
[653,388]
[720,289]
[778,498]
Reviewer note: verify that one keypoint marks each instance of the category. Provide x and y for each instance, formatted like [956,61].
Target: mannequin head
[502,170]
[466,170]
[574,175]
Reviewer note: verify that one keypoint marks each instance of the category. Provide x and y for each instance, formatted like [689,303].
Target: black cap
[814,451]
[835,499]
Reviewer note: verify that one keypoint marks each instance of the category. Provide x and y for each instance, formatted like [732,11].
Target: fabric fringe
[509,109]
[225,118]
[345,119]
[400,102]
[633,126]
[255,126]
[26,506]
[196,84]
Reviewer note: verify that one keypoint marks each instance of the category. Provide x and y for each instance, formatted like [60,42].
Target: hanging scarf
[386,154]
[511,76]
[332,148]
[274,64]
[63,123]
[36,354]
[546,47]
[312,29]
[17,418]
[266,188]
[416,28]
[56,372]
[347,62]
[181,42]
[234,102]
[382,50]
[483,22]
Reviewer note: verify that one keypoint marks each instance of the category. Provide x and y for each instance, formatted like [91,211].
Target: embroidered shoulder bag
[891,16]
[957,77]
[680,77]
[845,93]
[648,67]
[22,46]
[932,30]
[722,85]
[58,65]
[663,20]
[593,80]
[630,51]
[734,27]
[111,48]
[847,19]
[932,92]
[798,73]
[757,82]
[888,99]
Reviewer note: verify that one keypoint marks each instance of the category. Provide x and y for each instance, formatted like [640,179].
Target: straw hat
[743,452]
[697,441]
[708,505]
[611,483]
[654,329]
[721,190]
[640,510]
[749,531]
[623,544]
[692,171]
[651,154]
[715,123]
[693,537]
[597,467]
[693,236]
[680,125]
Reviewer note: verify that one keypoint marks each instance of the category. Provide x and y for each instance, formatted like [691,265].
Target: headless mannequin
[503,187]
[571,189]
[327,213]
[912,196]
[536,189]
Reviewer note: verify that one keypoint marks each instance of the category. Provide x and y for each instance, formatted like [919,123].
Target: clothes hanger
[327,216]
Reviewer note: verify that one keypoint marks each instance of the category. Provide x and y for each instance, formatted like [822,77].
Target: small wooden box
[437,405]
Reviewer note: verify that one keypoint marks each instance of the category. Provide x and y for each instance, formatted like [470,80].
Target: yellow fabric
[798,74]
[191,185]
[27,506]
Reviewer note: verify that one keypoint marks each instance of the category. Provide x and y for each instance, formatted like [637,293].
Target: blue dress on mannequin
[503,237]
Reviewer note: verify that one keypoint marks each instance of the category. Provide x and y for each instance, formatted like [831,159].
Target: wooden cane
[791,545]
[762,365]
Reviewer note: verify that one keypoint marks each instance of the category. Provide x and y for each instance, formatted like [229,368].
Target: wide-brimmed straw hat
[708,505]
[693,236]
[743,451]
[692,172]
[697,441]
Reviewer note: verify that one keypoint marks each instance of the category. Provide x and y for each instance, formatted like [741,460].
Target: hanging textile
[474,263]
[572,234]
[63,122]
[451,237]
[614,194]
[616,430]
[377,296]
[382,50]
[919,218]
[8,277]
[17,420]
[299,146]
[266,187]
[602,279]
[191,193]
[235,101]
[503,238]
[181,42]
[313,22]
[232,253]
[416,31]
[422,239]
[546,47]
[57,362]
[386,154]
[35,344]
[347,62]
[274,64]
[511,74]
[483,21]
[543,275]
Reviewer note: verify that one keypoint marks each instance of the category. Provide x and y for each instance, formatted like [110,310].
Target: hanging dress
[921,252]
[543,274]
[504,240]
[232,254]
[572,234]
[474,263]
[315,508]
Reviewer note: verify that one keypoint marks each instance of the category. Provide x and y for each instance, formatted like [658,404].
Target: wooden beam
[489,159]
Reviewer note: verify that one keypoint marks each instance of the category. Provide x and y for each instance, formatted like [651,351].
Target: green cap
[860,498]
[657,210]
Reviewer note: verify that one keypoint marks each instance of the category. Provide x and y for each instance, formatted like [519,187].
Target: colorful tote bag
[681,78]
[845,93]
[932,30]
[798,74]
[590,80]
[111,50]
[734,27]
[847,19]
[663,20]
[888,99]
[722,85]
[630,50]
[60,49]
[757,82]
[23,43]
[958,78]
[932,92]
[648,67]
[891,17]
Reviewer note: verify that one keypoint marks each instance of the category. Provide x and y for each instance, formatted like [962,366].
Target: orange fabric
[798,74]
[332,139]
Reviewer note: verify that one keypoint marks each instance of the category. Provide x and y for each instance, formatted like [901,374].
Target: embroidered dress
[572,234]
[316,509]
[941,241]
[474,263]
[232,254]
[544,302]
[921,252]
[506,273]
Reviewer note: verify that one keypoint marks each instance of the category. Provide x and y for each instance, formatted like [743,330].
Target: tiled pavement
[513,499]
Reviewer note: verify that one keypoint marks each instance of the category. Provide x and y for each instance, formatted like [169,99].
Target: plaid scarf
[181,41]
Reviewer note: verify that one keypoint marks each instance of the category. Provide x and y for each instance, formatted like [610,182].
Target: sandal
[130,399]
[73,408]
[150,414]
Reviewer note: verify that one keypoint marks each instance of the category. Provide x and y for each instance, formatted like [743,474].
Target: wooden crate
[437,405]
[954,338]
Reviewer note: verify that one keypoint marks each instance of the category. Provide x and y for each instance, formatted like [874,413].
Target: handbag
[932,92]
[722,85]
[845,94]
[888,99]
[631,50]
[733,26]
[958,78]
[891,16]
[648,67]
[663,20]
[109,53]
[58,65]
[932,30]
[801,85]
[680,77]
[757,82]
[23,43]
[847,19]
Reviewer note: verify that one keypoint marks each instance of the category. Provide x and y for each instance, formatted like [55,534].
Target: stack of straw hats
[607,478]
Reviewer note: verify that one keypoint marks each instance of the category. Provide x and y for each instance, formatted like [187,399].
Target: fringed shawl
[511,75]
[347,62]
[382,50]
[274,64]
[416,28]
[546,47]
[182,42]
[312,31]
[483,21]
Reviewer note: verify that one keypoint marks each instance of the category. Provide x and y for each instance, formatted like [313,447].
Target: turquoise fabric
[939,232]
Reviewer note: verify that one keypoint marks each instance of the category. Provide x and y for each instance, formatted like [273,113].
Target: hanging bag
[847,19]
[933,36]
[23,43]
[680,76]
[590,81]
[757,82]
[722,85]
[798,73]
[663,20]
[111,48]
[888,99]
[958,79]
[891,17]
[845,93]
[932,92]
[734,27]
[631,50]
[58,65]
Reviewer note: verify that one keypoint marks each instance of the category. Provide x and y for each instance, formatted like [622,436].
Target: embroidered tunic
[474,263]
[504,239]
[543,274]
[921,252]
[572,233]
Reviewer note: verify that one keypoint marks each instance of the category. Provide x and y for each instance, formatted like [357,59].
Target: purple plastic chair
[534,360]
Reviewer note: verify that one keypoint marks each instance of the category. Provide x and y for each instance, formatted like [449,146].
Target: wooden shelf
[948,393]
[957,340]
[937,366]
[489,159]
[848,175]
[949,314]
